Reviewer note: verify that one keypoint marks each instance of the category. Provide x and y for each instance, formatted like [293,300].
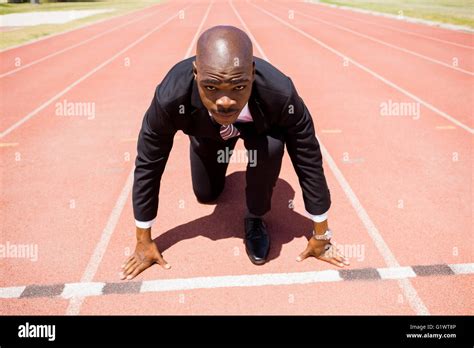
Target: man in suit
[222,94]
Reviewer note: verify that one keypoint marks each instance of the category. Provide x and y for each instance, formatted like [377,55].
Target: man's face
[224,91]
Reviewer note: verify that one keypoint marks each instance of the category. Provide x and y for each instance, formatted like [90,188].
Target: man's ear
[253,70]
[194,70]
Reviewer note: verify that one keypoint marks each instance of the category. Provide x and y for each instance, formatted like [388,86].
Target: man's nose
[225,102]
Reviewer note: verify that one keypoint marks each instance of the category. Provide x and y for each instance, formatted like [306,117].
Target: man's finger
[132,260]
[304,254]
[138,269]
[129,265]
[124,274]
[162,262]
[343,259]
[127,261]
[331,260]
[339,256]
[128,269]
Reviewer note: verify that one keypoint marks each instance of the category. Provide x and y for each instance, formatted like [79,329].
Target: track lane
[38,49]
[403,154]
[453,57]
[61,191]
[59,76]
[187,240]
[416,29]
[224,238]
[19,65]
[441,87]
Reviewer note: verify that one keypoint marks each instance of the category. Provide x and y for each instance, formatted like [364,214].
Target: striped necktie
[229,131]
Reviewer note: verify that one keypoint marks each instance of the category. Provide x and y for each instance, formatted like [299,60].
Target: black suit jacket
[274,105]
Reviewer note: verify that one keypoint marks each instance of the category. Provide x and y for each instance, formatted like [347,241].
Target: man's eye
[239,88]
[210,88]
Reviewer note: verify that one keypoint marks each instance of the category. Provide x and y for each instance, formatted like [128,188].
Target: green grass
[460,12]
[25,34]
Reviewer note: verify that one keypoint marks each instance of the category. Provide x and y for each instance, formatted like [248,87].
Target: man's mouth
[225,114]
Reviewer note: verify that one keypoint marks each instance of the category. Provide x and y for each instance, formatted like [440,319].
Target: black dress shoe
[257,241]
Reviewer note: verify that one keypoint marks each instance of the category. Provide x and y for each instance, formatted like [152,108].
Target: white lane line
[463,268]
[12,292]
[432,60]
[247,280]
[76,302]
[89,289]
[82,290]
[77,28]
[78,81]
[368,70]
[198,31]
[386,26]
[396,273]
[79,43]
[410,293]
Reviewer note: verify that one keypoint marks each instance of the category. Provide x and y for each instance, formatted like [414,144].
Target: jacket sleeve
[305,153]
[154,145]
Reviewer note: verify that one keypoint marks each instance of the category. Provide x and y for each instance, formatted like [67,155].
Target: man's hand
[146,254]
[325,251]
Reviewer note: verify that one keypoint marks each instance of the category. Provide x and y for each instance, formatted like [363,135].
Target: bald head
[224,71]
[224,46]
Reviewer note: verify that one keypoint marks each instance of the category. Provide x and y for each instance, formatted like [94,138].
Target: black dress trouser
[208,170]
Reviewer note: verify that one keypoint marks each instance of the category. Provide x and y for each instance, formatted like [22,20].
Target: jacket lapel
[256,112]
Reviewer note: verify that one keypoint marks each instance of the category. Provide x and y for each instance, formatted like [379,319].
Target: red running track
[401,185]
